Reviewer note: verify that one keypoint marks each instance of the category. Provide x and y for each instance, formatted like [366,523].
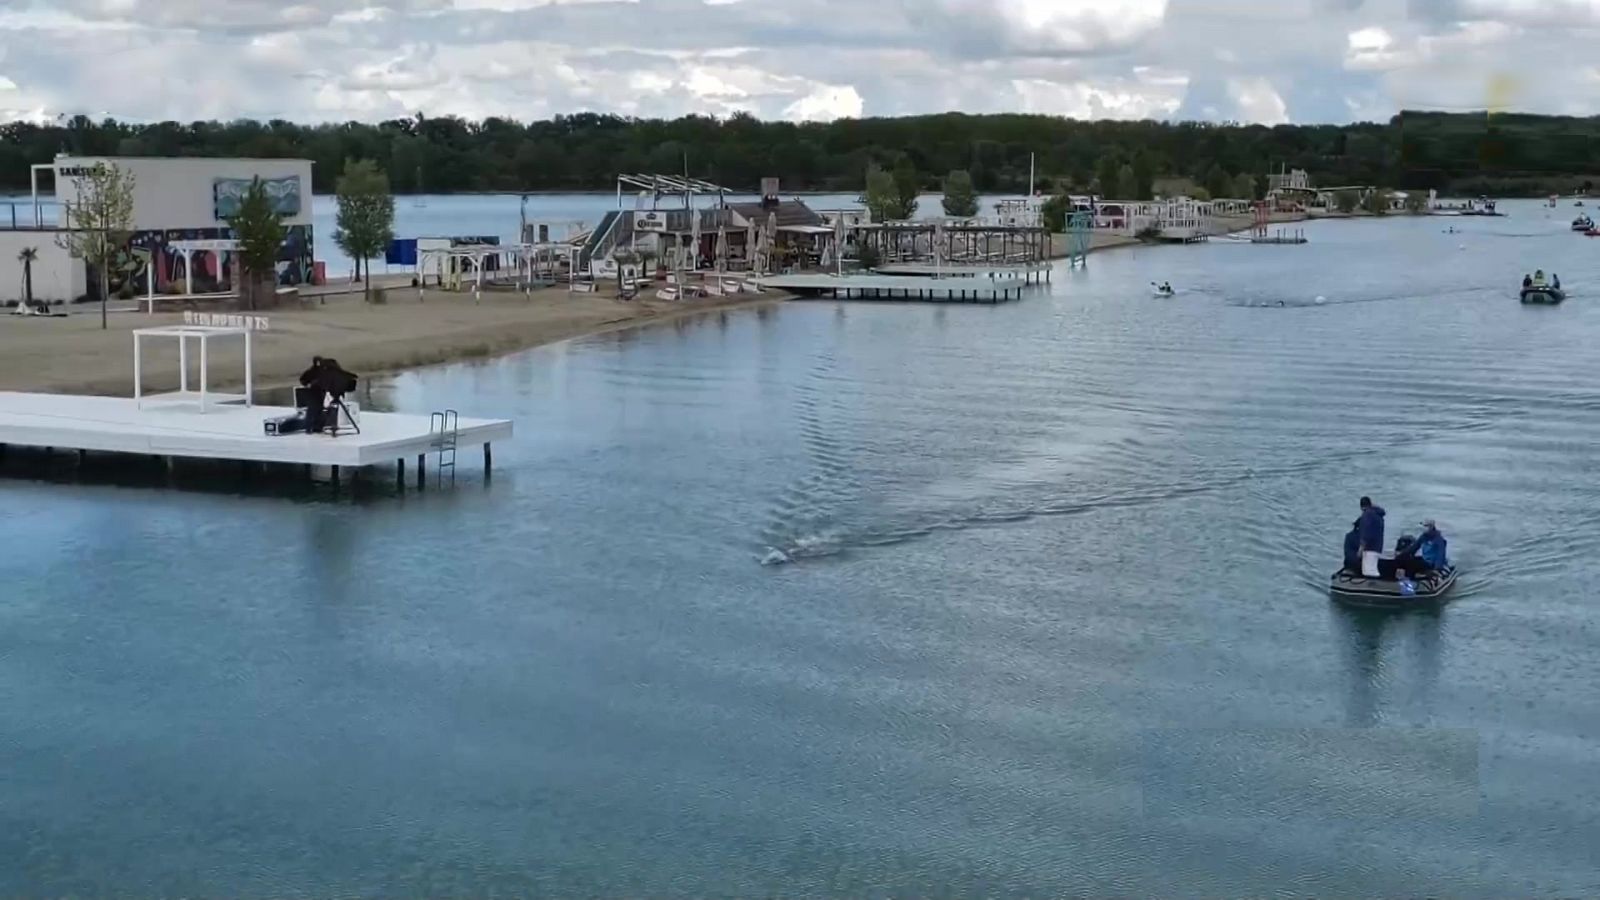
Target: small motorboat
[1162,290]
[1355,589]
[1582,223]
[1543,294]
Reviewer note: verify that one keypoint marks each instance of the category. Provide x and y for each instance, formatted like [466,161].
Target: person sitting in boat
[1538,277]
[1431,547]
[1352,548]
[1166,287]
[1527,281]
[1555,281]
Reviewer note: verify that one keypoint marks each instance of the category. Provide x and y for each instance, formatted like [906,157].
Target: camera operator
[317,396]
[326,380]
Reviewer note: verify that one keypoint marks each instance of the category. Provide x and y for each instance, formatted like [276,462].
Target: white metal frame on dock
[204,333]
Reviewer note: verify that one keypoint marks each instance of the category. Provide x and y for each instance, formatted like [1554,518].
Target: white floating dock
[899,287]
[1028,272]
[224,431]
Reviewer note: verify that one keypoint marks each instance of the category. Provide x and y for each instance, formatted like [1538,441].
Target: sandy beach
[73,354]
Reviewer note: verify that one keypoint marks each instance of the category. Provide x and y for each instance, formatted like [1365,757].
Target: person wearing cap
[1431,546]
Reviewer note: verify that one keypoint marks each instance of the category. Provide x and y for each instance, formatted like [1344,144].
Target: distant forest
[1455,152]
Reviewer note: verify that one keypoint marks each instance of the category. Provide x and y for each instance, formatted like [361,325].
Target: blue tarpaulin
[401,253]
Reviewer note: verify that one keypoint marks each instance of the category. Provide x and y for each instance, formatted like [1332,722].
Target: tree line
[1503,153]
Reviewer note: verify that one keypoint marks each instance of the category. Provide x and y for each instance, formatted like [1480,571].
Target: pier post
[488,457]
[335,470]
[422,471]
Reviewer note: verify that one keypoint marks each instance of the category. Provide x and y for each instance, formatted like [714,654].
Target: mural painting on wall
[213,272]
[228,193]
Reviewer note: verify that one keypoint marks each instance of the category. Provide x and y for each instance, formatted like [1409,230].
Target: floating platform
[1030,273]
[901,287]
[225,431]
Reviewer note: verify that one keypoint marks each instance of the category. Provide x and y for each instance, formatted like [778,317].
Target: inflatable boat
[1582,223]
[1355,589]
[1545,294]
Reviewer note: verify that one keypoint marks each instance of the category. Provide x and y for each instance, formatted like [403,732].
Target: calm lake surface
[1057,621]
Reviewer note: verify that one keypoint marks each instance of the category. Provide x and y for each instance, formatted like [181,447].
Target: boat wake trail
[802,521]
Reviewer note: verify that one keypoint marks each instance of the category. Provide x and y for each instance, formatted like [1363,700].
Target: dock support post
[400,474]
[422,471]
[335,470]
[488,457]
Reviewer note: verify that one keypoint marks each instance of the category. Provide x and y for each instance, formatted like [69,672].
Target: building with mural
[176,202]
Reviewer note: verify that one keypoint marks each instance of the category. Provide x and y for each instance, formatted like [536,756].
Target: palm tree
[27,258]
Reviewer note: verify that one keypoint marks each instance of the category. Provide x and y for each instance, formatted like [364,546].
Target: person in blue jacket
[1371,527]
[1428,553]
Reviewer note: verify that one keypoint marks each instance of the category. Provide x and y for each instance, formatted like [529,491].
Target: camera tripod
[336,406]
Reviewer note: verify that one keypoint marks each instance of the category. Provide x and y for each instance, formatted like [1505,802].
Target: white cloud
[1258,101]
[826,103]
[799,59]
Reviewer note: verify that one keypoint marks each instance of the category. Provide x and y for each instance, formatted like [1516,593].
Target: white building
[185,193]
[176,202]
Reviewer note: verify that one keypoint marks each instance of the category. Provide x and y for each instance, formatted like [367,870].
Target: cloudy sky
[1250,60]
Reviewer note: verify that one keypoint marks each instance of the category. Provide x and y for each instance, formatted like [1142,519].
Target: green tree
[1217,181]
[1144,177]
[1244,187]
[960,198]
[907,185]
[366,216]
[1106,179]
[98,222]
[1416,203]
[1377,202]
[881,197]
[1125,182]
[258,228]
[1346,201]
[27,257]
[1055,212]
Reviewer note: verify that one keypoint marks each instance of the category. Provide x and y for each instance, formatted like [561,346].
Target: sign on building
[284,194]
[650,221]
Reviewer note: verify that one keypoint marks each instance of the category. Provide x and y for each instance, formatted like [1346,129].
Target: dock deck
[1028,272]
[901,287]
[224,432]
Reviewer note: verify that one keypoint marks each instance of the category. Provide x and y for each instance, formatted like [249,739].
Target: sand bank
[73,355]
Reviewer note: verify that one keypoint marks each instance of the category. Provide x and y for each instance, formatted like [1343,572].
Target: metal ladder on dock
[442,431]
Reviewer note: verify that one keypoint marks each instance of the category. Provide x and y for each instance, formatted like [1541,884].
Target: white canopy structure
[189,249]
[204,334]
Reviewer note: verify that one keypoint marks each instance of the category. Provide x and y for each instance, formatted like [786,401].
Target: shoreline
[73,355]
[395,335]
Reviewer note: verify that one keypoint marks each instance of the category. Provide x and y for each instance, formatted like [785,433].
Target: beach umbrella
[772,238]
[694,240]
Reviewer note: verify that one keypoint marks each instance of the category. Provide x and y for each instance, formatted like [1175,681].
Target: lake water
[1057,623]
